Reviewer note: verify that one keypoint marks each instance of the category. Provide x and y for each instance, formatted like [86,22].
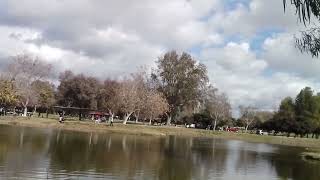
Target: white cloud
[236,70]
[259,15]
[282,55]
[236,58]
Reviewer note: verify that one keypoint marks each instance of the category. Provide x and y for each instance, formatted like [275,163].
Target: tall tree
[107,98]
[284,120]
[140,79]
[217,106]
[128,98]
[248,114]
[180,78]
[305,109]
[23,71]
[310,39]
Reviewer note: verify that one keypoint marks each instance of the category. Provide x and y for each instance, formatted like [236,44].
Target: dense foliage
[181,79]
[300,116]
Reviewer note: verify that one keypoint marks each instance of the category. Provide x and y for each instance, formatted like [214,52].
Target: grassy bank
[88,126]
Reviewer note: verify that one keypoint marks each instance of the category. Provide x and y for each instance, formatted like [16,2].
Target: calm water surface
[27,153]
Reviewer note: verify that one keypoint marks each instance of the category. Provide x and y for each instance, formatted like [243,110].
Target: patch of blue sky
[236,38]
[256,42]
[195,50]
[233,4]
[229,5]
[268,72]
[3,7]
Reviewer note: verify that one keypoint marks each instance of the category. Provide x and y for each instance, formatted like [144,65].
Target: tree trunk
[150,121]
[111,118]
[126,117]
[215,124]
[247,126]
[169,120]
[25,111]
[47,112]
[137,117]
[35,109]
[25,105]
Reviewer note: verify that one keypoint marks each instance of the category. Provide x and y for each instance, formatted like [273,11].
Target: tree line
[177,89]
[300,116]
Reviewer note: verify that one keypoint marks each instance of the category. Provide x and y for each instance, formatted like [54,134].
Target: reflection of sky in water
[28,153]
[246,161]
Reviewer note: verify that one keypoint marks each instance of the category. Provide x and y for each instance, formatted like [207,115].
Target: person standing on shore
[111,122]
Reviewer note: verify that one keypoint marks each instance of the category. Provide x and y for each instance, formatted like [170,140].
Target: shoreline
[146,130]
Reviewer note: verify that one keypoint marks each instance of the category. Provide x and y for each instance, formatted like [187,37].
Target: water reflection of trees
[22,149]
[120,155]
[128,156]
[141,157]
[192,158]
[288,165]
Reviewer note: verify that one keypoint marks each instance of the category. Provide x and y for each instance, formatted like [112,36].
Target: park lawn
[135,129]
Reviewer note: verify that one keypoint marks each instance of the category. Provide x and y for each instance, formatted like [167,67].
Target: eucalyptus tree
[307,10]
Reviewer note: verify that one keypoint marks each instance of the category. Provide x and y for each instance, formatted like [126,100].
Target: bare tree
[248,114]
[217,106]
[107,98]
[155,105]
[140,79]
[128,98]
[23,71]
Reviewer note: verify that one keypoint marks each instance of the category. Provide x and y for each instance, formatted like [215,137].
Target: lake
[30,153]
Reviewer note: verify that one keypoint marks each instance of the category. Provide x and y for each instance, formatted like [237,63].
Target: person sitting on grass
[98,120]
[61,118]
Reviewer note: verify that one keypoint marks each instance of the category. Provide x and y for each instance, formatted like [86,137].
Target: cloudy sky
[247,45]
